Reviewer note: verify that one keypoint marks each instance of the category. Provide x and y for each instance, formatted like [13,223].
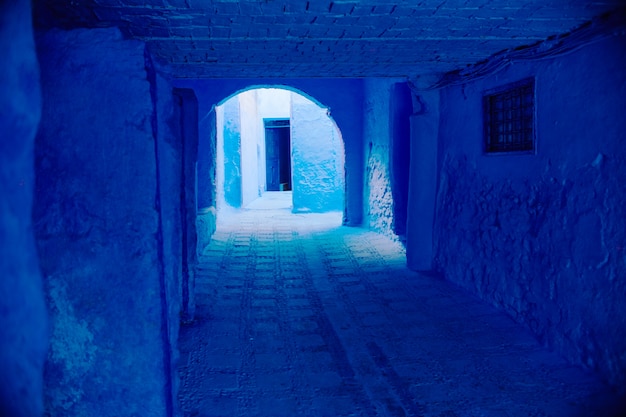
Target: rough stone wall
[378,189]
[542,236]
[23,323]
[317,158]
[97,228]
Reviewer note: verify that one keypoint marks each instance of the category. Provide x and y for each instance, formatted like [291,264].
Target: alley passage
[298,318]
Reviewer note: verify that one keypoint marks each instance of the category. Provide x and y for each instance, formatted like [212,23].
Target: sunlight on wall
[316,157]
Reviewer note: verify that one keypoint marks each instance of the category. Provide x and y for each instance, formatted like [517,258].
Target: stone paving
[300,317]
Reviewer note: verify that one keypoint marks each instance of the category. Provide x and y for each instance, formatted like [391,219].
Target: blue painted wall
[173,270]
[316,161]
[400,111]
[184,139]
[205,169]
[23,319]
[101,223]
[343,97]
[250,155]
[425,143]
[542,236]
[232,153]
[206,177]
[387,108]
[317,158]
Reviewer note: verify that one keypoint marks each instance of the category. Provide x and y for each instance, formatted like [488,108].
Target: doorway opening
[274,144]
[277,155]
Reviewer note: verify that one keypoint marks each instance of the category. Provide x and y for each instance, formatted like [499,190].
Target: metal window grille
[509,118]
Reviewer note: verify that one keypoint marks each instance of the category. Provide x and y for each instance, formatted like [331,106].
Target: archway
[277,139]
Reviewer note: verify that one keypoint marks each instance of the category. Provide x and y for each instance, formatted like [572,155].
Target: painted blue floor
[299,318]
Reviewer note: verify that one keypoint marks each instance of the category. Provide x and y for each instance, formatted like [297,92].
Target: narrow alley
[447,237]
[298,316]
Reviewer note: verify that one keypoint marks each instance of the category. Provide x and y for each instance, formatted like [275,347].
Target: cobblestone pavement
[295,318]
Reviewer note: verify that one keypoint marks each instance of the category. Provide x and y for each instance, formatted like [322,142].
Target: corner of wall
[23,321]
[98,227]
[422,202]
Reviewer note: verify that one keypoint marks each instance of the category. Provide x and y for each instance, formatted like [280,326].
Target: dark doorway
[277,155]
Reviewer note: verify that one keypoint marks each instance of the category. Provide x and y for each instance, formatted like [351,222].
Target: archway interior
[277,149]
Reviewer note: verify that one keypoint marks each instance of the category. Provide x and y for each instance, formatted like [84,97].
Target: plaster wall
[317,158]
[206,174]
[174,267]
[219,157]
[378,130]
[98,228]
[400,112]
[23,318]
[249,143]
[205,165]
[274,103]
[231,151]
[183,195]
[542,236]
[421,205]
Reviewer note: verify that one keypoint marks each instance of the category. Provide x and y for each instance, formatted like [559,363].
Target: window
[509,114]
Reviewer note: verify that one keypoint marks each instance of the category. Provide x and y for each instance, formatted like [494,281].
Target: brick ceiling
[324,38]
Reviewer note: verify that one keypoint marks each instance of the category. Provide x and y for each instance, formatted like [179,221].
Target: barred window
[509,115]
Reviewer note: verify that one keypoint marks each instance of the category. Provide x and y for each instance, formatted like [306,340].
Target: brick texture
[324,38]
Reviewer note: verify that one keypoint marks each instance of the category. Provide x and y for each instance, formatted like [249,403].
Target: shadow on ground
[298,316]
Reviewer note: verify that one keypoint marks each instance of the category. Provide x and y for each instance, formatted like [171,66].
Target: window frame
[490,148]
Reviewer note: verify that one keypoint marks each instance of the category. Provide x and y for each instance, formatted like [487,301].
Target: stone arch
[273,85]
[343,96]
[318,171]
